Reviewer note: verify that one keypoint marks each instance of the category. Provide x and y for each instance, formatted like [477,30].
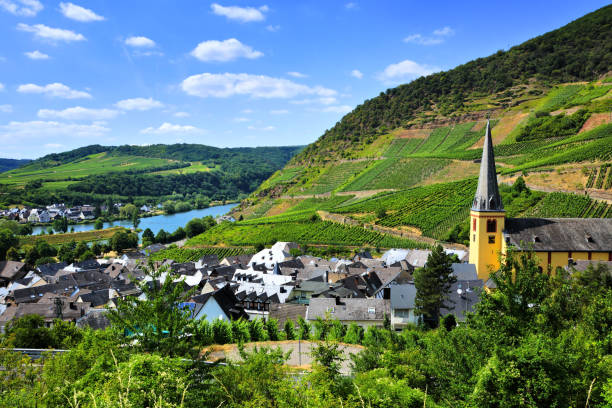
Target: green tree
[194,227]
[432,284]
[13,254]
[135,219]
[155,318]
[60,225]
[28,332]
[7,240]
[122,240]
[99,224]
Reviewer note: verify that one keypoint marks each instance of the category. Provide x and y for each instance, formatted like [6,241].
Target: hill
[402,166]
[10,164]
[92,173]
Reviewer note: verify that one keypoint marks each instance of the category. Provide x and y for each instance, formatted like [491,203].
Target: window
[491,225]
[491,239]
[474,237]
[474,224]
[371,310]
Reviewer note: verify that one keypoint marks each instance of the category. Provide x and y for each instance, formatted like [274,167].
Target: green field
[194,167]
[402,147]
[94,164]
[57,239]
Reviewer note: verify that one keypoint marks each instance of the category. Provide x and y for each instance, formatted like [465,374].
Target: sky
[228,74]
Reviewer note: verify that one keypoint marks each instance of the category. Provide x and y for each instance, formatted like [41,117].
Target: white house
[271,256]
[402,305]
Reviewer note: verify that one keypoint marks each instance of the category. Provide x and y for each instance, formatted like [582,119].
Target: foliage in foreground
[538,341]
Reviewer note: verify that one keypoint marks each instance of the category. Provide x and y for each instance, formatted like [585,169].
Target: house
[463,296]
[402,306]
[555,241]
[303,292]
[67,311]
[269,257]
[236,260]
[583,265]
[282,312]
[11,270]
[145,208]
[221,304]
[364,312]
[86,215]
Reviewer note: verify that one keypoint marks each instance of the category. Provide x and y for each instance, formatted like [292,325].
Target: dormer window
[589,238]
[536,238]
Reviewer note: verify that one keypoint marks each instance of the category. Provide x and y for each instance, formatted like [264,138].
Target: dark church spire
[487,194]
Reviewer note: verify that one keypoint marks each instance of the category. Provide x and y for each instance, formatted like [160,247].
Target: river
[168,223]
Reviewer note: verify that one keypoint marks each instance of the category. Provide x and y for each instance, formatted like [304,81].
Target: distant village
[53,212]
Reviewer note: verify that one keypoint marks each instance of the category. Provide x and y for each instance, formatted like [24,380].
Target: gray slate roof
[402,296]
[560,234]
[487,194]
[357,309]
[464,271]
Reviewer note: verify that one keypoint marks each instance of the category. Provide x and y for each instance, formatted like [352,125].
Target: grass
[94,164]
[282,176]
[58,239]
[559,97]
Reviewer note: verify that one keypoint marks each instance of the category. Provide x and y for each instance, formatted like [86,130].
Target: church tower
[487,216]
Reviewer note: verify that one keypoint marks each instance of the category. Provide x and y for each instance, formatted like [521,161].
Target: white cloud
[53,145]
[38,130]
[242,120]
[140,104]
[279,111]
[444,31]
[264,128]
[25,8]
[181,115]
[405,71]
[242,14]
[258,86]
[1,87]
[337,109]
[296,74]
[6,108]
[49,33]
[56,89]
[140,41]
[78,113]
[350,6]
[247,111]
[36,55]
[139,53]
[227,50]
[437,38]
[356,74]
[273,28]
[170,128]
[78,13]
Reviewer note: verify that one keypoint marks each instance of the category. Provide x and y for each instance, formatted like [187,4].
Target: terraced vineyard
[396,174]
[194,254]
[333,177]
[307,232]
[402,147]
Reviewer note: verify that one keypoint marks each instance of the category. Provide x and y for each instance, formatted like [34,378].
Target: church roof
[560,234]
[487,194]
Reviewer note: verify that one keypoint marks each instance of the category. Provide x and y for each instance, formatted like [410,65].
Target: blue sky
[229,73]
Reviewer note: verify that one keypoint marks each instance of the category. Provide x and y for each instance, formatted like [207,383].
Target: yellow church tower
[487,216]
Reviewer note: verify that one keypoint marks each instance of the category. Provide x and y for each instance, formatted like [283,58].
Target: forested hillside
[150,173]
[10,164]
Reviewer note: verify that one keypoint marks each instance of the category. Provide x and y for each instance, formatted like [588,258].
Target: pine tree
[433,283]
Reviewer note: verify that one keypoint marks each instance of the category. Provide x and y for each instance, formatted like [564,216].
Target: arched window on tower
[491,225]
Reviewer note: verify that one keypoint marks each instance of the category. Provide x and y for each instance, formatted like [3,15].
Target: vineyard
[194,254]
[396,174]
[563,205]
[434,209]
[306,232]
[402,147]
[559,97]
[334,176]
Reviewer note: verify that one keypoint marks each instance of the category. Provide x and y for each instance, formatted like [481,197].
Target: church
[556,242]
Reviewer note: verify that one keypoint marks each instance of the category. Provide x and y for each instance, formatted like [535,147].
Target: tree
[98,224]
[60,225]
[7,240]
[433,283]
[194,227]
[135,219]
[156,319]
[66,252]
[122,240]
[28,332]
[127,211]
[110,207]
[148,235]
[80,249]
[31,254]
[12,254]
